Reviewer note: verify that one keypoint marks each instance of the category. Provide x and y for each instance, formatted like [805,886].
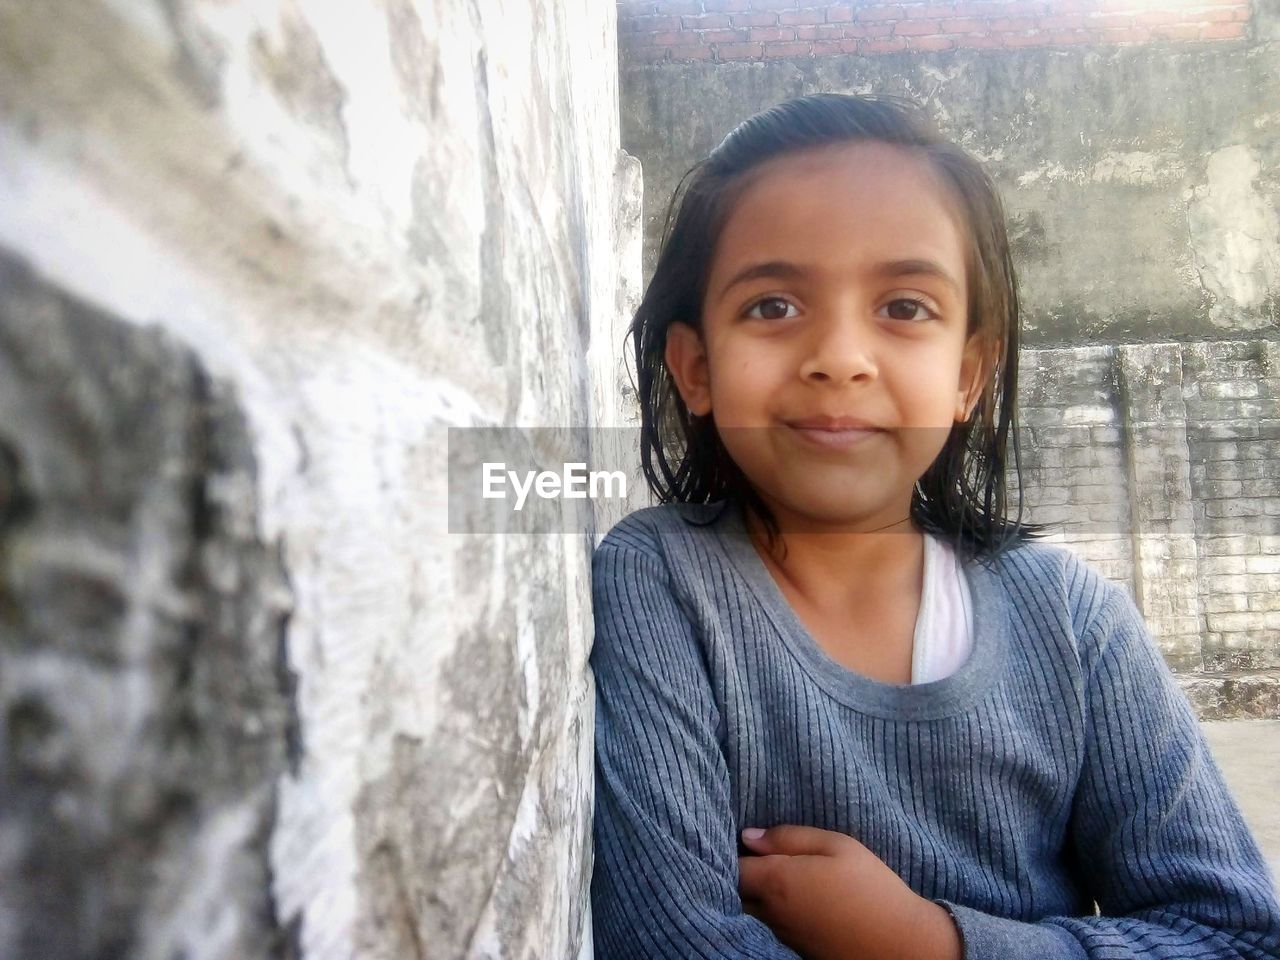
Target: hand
[828,897]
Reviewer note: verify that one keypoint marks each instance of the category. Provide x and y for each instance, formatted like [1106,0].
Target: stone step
[1234,695]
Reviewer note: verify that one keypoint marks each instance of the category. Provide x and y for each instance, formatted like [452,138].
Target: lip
[837,433]
[824,422]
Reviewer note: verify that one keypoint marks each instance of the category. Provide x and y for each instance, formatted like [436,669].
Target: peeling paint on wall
[1132,167]
[1235,237]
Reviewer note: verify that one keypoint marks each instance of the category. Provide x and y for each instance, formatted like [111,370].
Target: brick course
[681,30]
[1157,463]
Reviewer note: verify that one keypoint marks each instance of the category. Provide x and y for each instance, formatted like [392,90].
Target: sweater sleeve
[665,877]
[1155,834]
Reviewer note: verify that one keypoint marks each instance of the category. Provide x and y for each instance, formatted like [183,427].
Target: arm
[804,881]
[664,883]
[1157,837]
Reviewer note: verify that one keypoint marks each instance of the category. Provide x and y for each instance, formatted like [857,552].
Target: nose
[839,351]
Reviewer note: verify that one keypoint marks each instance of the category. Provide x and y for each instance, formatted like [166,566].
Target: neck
[835,569]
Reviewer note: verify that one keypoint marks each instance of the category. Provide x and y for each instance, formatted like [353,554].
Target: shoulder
[1052,583]
[646,611]
[669,553]
[654,530]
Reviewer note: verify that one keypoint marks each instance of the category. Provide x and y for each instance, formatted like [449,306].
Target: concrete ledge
[1234,695]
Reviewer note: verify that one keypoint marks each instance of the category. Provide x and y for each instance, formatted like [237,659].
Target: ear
[975,369]
[686,358]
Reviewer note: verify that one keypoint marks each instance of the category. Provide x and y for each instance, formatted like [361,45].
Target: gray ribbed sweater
[1061,765]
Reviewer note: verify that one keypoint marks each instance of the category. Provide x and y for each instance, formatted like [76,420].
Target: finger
[753,873]
[762,877]
[793,839]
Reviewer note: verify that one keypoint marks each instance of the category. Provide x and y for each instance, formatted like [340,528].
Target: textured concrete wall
[1141,185]
[724,30]
[146,708]
[257,258]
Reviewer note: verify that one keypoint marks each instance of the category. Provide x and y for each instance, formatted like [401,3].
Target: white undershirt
[944,625]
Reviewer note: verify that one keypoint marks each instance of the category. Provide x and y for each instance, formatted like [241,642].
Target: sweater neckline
[946,697]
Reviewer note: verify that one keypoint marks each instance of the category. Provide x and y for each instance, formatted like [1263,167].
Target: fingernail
[752,833]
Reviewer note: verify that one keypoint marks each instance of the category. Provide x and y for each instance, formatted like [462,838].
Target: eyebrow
[785,270]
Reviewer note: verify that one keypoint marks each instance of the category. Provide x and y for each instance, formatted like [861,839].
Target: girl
[959,743]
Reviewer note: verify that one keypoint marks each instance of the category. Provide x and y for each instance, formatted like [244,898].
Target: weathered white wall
[368,223]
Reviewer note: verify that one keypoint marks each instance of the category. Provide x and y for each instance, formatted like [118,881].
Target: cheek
[936,377]
[927,406]
[742,377]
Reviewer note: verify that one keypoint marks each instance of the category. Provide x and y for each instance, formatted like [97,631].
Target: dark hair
[964,494]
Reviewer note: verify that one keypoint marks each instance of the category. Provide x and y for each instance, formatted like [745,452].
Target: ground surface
[1249,753]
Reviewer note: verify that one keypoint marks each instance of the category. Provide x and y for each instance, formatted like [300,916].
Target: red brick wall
[721,30]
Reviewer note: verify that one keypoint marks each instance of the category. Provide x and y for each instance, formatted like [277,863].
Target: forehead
[836,204]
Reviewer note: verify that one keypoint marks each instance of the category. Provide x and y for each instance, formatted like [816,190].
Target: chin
[829,506]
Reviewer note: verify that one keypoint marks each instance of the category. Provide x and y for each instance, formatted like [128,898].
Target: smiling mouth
[840,436]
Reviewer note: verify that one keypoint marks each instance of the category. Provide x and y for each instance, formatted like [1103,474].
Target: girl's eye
[771,308]
[907,308]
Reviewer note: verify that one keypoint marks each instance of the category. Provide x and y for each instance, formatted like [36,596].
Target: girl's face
[834,353]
